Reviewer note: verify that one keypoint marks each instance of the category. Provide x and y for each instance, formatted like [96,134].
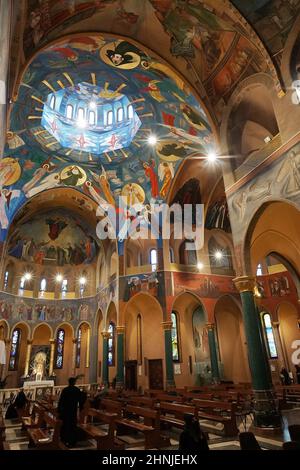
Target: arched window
[111,344]
[92,118]
[69,111]
[78,347]
[259,270]
[219,258]
[60,342]
[139,339]
[174,334]
[15,349]
[187,253]
[64,287]
[120,114]
[43,287]
[22,283]
[171,255]
[109,118]
[269,335]
[153,259]
[6,277]
[52,102]
[129,112]
[80,114]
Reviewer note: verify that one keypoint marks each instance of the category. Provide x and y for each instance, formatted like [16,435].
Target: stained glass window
[270,336]
[130,112]
[174,335]
[6,279]
[14,350]
[78,347]
[139,339]
[109,118]
[111,344]
[60,342]
[259,270]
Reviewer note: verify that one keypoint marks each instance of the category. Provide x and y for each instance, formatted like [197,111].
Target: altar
[38,383]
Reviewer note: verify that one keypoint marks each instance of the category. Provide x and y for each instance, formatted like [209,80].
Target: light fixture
[152,139]
[218,255]
[27,276]
[212,157]
[200,266]
[58,278]
[267,139]
[82,281]
[92,105]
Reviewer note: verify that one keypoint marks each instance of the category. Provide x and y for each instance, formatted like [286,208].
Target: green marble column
[120,356]
[266,414]
[215,373]
[105,335]
[170,382]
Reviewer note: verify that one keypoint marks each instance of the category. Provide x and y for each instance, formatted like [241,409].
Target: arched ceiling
[272,20]
[210,42]
[82,117]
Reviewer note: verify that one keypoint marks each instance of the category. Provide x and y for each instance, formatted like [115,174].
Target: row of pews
[152,415]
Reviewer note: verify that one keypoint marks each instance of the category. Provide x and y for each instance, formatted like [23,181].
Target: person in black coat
[15,409]
[192,438]
[70,399]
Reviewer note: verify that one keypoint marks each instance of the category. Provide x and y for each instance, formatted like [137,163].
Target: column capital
[74,340]
[120,329]
[275,324]
[245,283]
[7,341]
[52,341]
[167,325]
[105,334]
[29,341]
[210,326]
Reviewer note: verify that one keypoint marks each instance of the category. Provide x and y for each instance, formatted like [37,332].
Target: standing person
[297,367]
[285,378]
[192,438]
[70,399]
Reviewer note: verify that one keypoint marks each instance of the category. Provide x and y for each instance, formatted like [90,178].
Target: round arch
[231,339]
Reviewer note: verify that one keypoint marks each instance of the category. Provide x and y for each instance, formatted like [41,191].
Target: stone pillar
[215,373]
[167,327]
[27,360]
[52,353]
[105,380]
[266,415]
[120,356]
[74,341]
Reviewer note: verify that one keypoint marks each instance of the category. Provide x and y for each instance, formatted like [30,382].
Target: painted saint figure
[166,174]
[149,169]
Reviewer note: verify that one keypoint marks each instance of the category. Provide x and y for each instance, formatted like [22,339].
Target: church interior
[108,109]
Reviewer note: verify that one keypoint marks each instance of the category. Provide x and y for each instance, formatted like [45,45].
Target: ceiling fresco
[86,115]
[272,20]
[209,42]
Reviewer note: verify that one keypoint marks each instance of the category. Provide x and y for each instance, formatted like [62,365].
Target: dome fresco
[83,118]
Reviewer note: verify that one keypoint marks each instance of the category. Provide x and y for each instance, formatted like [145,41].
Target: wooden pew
[220,412]
[169,398]
[150,426]
[189,396]
[147,402]
[111,406]
[105,439]
[42,439]
[172,414]
[35,419]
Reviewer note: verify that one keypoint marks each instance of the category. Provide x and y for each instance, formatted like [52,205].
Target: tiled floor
[18,439]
